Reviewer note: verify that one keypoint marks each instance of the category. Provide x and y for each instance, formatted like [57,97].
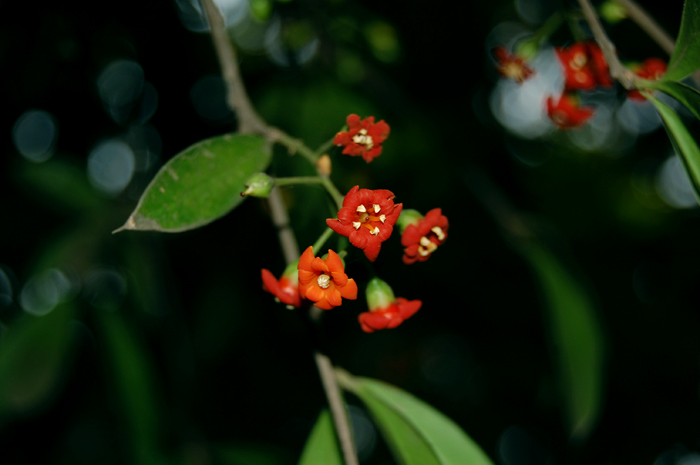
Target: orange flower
[324,281]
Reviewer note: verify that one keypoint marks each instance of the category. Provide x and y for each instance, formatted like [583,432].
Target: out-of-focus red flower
[286,290]
[567,112]
[367,218]
[324,281]
[422,235]
[651,69]
[599,66]
[511,66]
[385,310]
[584,66]
[363,138]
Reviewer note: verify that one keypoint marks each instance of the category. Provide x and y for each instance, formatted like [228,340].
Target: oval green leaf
[322,445]
[689,97]
[683,143]
[34,354]
[200,184]
[576,339]
[417,433]
[686,54]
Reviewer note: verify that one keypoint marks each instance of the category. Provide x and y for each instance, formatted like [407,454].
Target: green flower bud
[379,295]
[407,217]
[612,12]
[258,185]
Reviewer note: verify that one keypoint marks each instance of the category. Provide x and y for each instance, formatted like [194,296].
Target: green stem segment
[325,147]
[297,146]
[322,240]
[327,183]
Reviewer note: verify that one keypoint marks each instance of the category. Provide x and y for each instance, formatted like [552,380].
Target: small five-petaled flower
[324,281]
[363,138]
[367,218]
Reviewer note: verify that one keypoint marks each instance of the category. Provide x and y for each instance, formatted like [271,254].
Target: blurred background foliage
[159,348]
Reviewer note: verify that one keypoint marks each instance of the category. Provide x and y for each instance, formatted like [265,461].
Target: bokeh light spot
[110,166]
[44,291]
[34,135]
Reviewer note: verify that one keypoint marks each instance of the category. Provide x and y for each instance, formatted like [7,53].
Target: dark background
[232,369]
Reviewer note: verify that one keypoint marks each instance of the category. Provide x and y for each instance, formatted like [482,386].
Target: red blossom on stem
[367,218]
[324,281]
[652,69]
[567,112]
[511,66]
[363,138]
[385,310]
[286,290]
[422,237]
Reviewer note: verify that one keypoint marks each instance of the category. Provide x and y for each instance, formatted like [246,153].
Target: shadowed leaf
[683,143]
[322,445]
[416,432]
[689,97]
[686,55]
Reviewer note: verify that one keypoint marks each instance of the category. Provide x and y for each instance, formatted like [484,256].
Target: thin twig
[236,96]
[617,69]
[648,25]
[249,121]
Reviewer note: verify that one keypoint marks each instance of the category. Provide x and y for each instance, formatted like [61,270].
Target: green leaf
[686,56]
[200,184]
[34,354]
[416,432]
[576,339]
[134,383]
[689,97]
[683,143]
[322,445]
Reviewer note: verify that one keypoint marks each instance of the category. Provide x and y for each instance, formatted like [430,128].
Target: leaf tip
[129,225]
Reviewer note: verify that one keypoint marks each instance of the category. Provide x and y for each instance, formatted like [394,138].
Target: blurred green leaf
[251,454]
[60,183]
[200,184]
[134,383]
[683,143]
[416,432]
[689,97]
[686,56]
[576,339]
[34,354]
[322,445]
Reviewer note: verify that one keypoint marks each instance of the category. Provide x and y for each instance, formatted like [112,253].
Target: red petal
[353,121]
[407,308]
[411,236]
[371,250]
[340,228]
[270,283]
[349,291]
[350,201]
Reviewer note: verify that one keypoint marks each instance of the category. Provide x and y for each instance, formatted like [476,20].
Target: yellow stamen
[438,232]
[324,281]
[376,208]
[382,218]
[356,224]
[361,208]
[375,231]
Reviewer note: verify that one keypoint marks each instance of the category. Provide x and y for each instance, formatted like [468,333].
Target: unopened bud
[612,12]
[323,165]
[379,295]
[407,217]
[258,185]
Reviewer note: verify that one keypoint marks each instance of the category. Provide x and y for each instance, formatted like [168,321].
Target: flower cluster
[367,218]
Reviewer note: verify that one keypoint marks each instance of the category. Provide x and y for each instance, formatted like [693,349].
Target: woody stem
[249,121]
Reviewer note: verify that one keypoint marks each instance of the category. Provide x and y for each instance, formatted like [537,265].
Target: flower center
[324,281]
[366,219]
[427,246]
[560,118]
[513,71]
[363,139]
[579,61]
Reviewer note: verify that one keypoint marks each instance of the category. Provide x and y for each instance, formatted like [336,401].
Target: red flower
[652,69]
[584,66]
[567,112]
[286,290]
[511,66]
[363,138]
[367,219]
[421,238]
[385,311]
[324,281]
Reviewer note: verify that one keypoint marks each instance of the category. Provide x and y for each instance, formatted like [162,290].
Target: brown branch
[250,122]
[236,96]
[617,69]
[648,25]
